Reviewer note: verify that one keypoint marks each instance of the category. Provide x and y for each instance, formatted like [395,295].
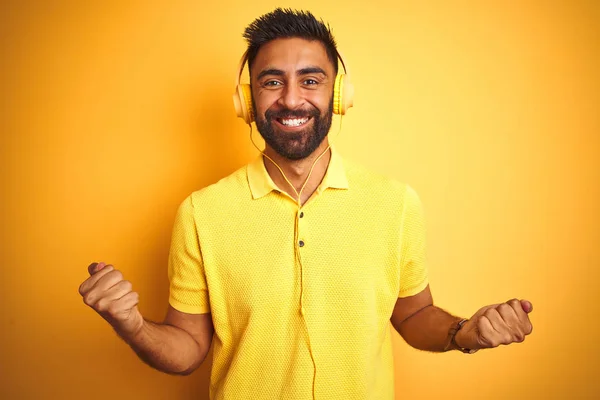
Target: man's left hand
[496,324]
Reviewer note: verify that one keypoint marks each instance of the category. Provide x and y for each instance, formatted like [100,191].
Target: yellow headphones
[343,93]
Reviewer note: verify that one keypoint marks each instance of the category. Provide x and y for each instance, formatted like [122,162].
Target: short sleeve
[188,291]
[413,266]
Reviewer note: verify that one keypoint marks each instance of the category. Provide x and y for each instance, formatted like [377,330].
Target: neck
[297,171]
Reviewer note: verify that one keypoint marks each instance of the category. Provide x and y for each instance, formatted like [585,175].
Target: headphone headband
[241,67]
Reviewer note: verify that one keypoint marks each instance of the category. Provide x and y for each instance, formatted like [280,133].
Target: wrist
[459,342]
[457,335]
[132,334]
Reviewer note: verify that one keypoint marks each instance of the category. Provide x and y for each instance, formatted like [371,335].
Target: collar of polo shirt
[261,183]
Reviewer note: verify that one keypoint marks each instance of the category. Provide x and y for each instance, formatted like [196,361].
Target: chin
[293,145]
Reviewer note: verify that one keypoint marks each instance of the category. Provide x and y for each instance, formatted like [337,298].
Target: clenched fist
[496,324]
[112,297]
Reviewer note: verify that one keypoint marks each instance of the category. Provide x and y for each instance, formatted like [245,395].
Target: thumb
[527,306]
[95,267]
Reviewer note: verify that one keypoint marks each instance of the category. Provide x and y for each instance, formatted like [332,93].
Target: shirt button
[301,243]
[301,214]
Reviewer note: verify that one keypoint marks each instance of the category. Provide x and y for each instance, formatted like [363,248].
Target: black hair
[288,23]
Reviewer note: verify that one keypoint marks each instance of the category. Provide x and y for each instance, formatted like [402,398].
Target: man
[296,264]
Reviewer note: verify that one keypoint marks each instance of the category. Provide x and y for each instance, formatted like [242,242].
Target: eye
[310,82]
[272,83]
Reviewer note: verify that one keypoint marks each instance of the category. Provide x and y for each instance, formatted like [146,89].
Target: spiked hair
[288,23]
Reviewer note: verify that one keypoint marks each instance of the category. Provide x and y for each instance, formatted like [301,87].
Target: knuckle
[88,300]
[514,302]
[131,297]
[507,338]
[518,337]
[116,274]
[528,328]
[490,312]
[504,307]
[114,308]
[102,305]
[481,323]
[127,285]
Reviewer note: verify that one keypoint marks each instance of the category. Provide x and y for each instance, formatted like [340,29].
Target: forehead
[291,54]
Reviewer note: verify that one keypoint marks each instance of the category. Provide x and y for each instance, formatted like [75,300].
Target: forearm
[428,329]
[167,348]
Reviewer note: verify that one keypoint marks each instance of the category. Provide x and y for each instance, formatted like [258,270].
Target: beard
[299,144]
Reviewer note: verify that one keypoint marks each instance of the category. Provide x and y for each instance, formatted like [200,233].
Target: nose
[291,97]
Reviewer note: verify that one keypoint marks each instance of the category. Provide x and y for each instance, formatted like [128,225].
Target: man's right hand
[112,297]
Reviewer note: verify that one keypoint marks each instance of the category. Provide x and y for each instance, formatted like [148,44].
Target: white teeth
[294,122]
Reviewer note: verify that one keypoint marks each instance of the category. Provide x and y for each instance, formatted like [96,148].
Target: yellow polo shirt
[300,299]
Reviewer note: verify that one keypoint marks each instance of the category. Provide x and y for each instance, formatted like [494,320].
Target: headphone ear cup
[337,98]
[242,101]
[343,94]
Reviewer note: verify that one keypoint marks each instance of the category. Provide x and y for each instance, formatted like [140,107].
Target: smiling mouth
[293,122]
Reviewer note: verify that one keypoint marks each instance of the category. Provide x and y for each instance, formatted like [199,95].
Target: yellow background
[112,113]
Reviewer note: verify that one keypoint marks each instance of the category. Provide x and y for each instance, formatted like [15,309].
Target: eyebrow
[300,72]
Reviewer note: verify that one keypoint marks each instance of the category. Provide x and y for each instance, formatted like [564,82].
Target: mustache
[286,113]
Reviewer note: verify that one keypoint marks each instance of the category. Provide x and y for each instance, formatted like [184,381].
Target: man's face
[292,89]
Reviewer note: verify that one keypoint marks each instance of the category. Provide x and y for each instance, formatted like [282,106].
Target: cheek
[320,98]
[264,102]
